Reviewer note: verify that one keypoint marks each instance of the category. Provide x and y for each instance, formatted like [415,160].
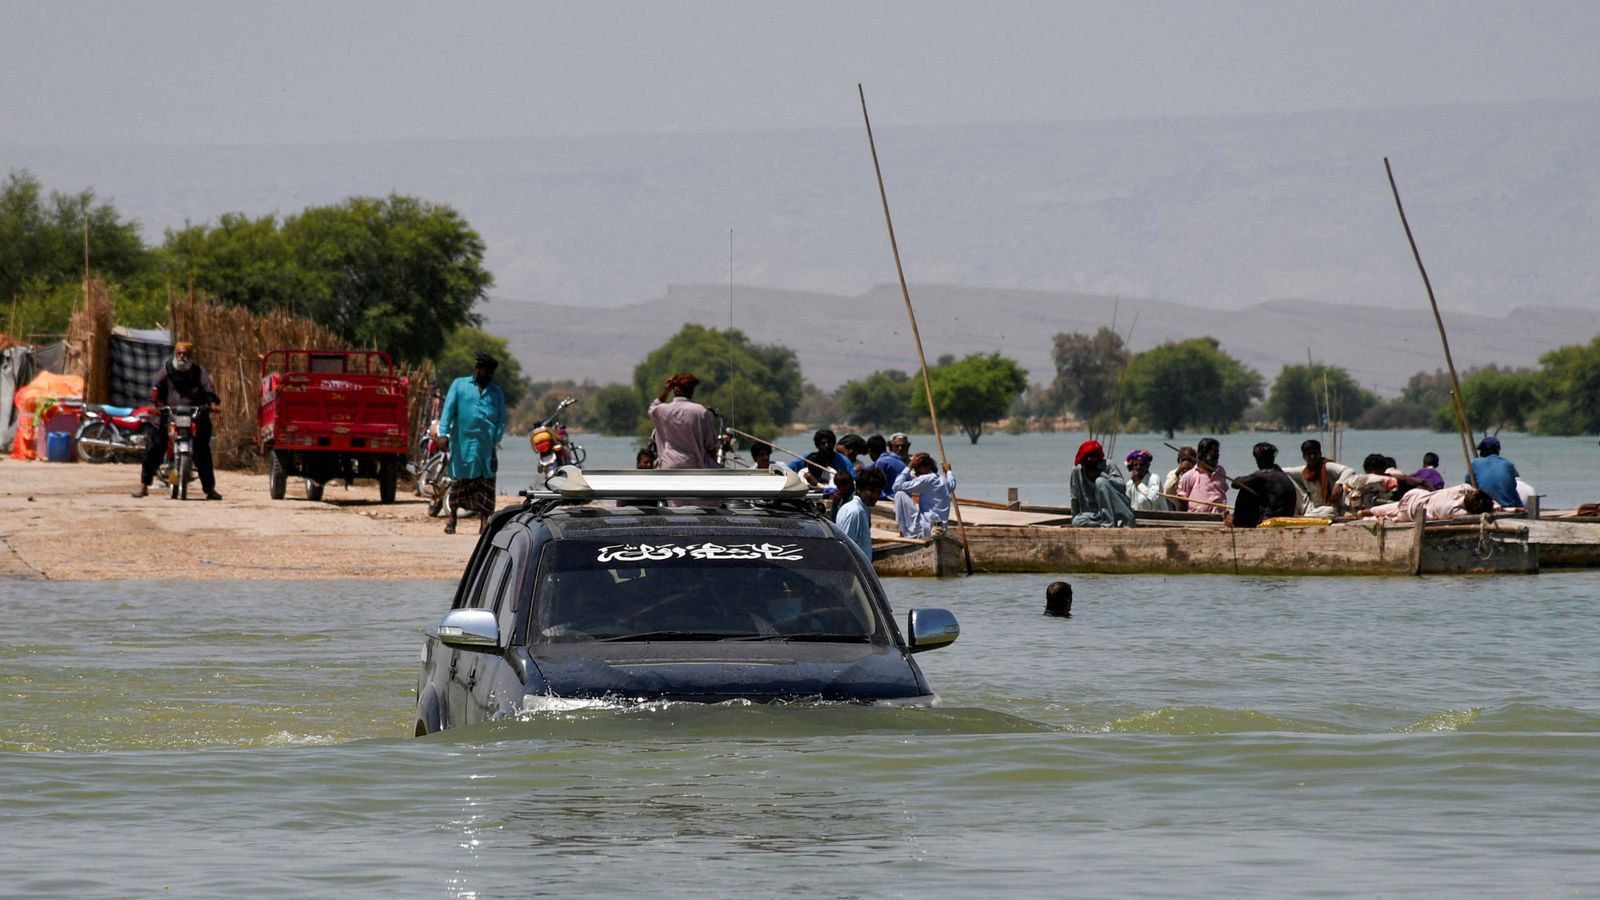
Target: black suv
[750,594]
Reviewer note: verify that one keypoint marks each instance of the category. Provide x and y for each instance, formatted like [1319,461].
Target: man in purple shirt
[685,435]
[1429,473]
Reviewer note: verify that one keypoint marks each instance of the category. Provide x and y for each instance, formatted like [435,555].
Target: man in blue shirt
[922,497]
[825,441]
[1496,475]
[894,461]
[473,417]
[855,516]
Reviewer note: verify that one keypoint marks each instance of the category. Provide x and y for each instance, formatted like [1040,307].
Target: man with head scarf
[1099,496]
[473,417]
[182,382]
[1144,486]
[1496,475]
[685,433]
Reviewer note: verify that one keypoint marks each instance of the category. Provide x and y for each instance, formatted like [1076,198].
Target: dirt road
[74,521]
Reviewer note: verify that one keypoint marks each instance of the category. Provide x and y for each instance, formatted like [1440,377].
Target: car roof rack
[573,483]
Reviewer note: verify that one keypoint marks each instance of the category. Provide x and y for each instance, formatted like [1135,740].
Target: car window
[487,596]
[602,590]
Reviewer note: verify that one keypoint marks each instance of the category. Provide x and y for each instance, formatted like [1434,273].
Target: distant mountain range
[838,338]
[1235,214]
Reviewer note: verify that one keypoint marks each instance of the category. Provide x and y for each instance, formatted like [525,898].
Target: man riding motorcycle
[182,382]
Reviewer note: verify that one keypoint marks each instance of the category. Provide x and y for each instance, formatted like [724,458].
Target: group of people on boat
[855,472]
[1322,489]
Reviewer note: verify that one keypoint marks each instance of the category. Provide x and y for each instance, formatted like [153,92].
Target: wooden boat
[1365,547]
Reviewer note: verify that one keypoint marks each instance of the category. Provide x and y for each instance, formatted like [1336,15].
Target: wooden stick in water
[905,292]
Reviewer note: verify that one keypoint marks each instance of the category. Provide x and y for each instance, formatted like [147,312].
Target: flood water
[1203,736]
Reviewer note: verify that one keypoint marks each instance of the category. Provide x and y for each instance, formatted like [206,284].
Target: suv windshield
[673,589]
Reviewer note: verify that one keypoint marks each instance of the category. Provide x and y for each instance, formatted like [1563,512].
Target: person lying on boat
[922,497]
[1205,487]
[1265,493]
[1322,481]
[1450,503]
[1144,486]
[1099,496]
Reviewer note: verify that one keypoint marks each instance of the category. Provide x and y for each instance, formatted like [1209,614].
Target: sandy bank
[74,521]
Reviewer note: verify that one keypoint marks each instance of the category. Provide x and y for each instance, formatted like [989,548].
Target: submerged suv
[750,593]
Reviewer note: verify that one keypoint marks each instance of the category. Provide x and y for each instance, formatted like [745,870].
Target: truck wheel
[277,477]
[313,490]
[388,477]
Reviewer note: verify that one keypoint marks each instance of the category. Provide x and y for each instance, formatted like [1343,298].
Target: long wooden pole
[927,384]
[1455,383]
[818,467]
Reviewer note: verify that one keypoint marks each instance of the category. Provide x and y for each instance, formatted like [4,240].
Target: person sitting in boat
[1169,485]
[1429,475]
[922,497]
[1099,495]
[1450,503]
[1322,481]
[1265,493]
[1495,474]
[1205,487]
[1144,487]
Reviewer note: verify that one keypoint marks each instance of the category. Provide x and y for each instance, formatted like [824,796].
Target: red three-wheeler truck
[332,414]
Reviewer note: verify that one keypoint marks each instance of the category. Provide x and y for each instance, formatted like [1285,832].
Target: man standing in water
[685,435]
[473,417]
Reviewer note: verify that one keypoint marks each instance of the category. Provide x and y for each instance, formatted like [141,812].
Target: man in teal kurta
[473,417]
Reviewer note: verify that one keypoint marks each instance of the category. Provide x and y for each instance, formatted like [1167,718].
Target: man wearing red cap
[1099,496]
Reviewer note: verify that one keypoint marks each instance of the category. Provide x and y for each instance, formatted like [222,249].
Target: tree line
[404,275]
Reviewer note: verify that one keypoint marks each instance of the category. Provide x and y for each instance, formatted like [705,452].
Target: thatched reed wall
[229,342]
[89,343]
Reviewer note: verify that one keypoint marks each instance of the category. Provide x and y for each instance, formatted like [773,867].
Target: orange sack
[46,386]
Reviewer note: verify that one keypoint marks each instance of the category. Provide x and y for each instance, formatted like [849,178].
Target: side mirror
[470,629]
[930,628]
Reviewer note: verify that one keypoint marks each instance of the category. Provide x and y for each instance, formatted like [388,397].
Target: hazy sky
[292,72]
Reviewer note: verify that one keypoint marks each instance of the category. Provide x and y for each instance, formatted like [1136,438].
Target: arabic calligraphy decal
[706,550]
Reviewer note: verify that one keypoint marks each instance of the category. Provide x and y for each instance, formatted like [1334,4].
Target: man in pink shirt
[686,436]
[1207,482]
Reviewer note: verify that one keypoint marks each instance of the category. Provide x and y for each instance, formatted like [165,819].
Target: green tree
[614,409]
[756,387]
[395,273]
[41,252]
[1088,372]
[1495,399]
[459,354]
[1569,385]
[1301,395]
[978,389]
[880,400]
[1190,382]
